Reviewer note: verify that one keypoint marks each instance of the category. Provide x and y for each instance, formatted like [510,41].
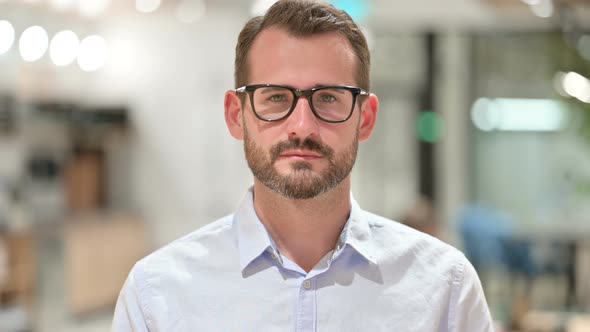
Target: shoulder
[395,242]
[180,267]
[194,249]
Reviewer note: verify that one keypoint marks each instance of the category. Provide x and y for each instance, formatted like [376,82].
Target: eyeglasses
[332,104]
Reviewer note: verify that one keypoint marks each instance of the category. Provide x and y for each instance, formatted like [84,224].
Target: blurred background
[113,143]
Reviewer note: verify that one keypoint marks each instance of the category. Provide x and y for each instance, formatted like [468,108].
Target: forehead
[278,57]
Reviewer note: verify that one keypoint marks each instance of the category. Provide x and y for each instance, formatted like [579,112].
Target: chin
[301,166]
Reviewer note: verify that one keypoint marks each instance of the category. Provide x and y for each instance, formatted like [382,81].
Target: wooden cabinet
[19,281]
[99,253]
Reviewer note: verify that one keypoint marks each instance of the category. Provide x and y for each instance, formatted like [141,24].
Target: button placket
[306,307]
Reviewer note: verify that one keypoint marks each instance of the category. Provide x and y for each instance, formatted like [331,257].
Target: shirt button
[306,284]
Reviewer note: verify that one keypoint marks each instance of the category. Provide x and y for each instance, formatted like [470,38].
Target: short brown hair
[303,18]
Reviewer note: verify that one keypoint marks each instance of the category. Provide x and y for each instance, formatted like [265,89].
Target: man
[300,254]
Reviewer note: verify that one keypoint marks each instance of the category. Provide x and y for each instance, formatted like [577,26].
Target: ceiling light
[92,53]
[543,8]
[576,86]
[33,43]
[6,36]
[63,49]
[511,114]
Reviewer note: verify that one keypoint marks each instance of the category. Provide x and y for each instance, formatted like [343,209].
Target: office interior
[113,143]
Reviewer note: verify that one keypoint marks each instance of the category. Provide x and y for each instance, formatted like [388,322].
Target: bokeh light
[577,86]
[512,114]
[63,49]
[543,8]
[33,43]
[558,84]
[480,115]
[92,53]
[6,36]
[429,127]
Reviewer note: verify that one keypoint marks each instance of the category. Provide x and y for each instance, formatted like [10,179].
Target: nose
[302,122]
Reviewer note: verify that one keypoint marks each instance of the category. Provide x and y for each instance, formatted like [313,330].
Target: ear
[233,114]
[369,111]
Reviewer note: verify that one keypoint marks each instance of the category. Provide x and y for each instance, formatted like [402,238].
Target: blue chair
[489,242]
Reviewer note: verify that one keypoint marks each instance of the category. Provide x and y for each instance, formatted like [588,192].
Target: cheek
[340,134]
[264,134]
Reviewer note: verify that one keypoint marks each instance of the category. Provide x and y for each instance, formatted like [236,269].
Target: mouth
[300,155]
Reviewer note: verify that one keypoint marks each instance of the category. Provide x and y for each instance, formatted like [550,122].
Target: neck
[304,230]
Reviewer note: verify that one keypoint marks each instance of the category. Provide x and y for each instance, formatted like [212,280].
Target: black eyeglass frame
[356,91]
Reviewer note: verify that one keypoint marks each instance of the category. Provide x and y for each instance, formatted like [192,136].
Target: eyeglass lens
[333,104]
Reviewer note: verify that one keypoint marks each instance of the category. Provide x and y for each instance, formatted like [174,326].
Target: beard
[300,182]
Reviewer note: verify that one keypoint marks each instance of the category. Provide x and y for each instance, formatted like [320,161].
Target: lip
[298,154]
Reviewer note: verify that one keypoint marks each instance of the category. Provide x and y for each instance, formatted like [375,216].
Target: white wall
[187,170]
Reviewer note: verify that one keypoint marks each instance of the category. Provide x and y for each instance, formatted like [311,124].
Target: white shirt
[229,276]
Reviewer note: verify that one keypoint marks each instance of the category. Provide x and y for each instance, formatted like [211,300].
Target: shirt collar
[357,233]
[252,236]
[253,239]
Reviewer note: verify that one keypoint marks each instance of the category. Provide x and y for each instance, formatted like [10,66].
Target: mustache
[297,144]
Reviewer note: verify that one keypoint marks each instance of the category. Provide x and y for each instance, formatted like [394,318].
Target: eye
[278,98]
[327,98]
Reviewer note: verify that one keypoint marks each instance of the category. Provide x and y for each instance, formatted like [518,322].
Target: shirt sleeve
[469,310]
[129,314]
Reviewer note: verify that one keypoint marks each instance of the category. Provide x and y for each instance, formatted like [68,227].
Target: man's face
[300,157]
